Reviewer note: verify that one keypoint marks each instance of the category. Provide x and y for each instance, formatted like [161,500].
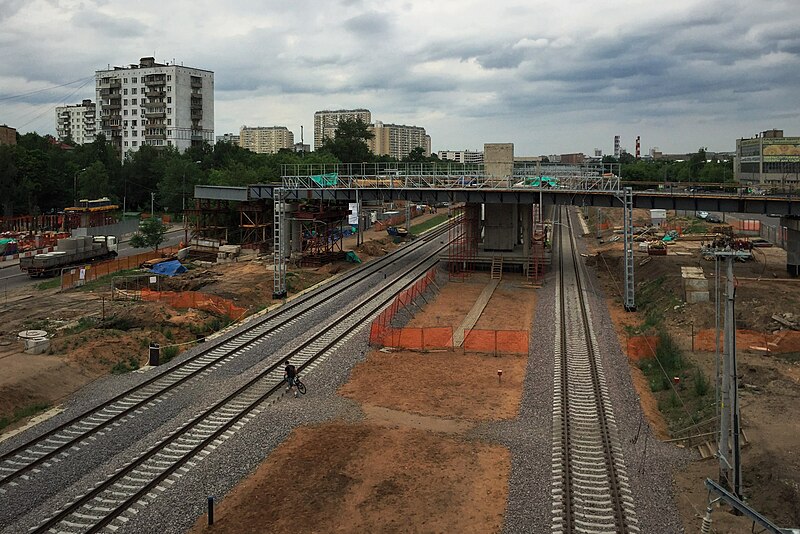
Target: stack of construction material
[695,285]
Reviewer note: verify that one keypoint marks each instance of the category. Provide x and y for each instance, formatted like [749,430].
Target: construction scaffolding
[321,227]
[254,224]
[538,242]
[464,233]
[209,218]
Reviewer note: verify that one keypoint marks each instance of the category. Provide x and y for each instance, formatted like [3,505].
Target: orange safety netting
[382,323]
[496,341]
[195,299]
[416,338]
[93,271]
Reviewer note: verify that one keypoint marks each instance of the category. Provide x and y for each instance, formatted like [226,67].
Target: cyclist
[290,375]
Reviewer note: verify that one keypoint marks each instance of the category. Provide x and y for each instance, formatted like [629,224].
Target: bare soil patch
[408,467]
[770,382]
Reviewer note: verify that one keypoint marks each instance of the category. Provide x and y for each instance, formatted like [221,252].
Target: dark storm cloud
[370,24]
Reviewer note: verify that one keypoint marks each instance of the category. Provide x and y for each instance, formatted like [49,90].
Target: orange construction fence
[496,341]
[382,323]
[413,338]
[196,299]
[92,271]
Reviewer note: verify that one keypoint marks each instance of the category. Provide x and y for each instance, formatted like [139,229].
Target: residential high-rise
[326,122]
[155,104]
[398,140]
[266,139]
[76,122]
[228,138]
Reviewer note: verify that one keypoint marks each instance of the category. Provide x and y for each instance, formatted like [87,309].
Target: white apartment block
[461,156]
[155,104]
[326,122]
[76,122]
[266,139]
[228,138]
[398,140]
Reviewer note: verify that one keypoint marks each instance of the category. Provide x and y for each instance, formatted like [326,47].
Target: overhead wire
[37,91]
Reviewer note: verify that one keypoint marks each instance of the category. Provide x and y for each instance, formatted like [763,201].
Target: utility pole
[152,204]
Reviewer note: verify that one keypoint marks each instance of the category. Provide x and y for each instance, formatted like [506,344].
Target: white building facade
[266,139]
[155,104]
[76,122]
[461,156]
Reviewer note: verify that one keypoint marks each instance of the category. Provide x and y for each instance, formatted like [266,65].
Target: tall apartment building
[325,122]
[398,140]
[8,135]
[155,104]
[266,139]
[228,138]
[76,122]
[461,156]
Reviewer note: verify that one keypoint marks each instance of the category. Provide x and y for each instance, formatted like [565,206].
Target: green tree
[417,155]
[151,234]
[350,142]
[93,182]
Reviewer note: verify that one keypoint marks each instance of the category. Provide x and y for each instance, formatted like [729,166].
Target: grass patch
[53,283]
[22,413]
[124,366]
[84,323]
[417,229]
[104,282]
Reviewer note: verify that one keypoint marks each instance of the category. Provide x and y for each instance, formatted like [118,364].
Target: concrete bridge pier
[792,245]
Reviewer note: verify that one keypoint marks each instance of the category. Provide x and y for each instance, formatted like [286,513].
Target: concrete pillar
[793,251]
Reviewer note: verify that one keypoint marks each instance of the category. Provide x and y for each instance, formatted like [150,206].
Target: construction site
[474,309]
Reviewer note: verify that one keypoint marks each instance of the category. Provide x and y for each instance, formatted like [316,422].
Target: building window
[169,78]
[125,123]
[169,143]
[124,101]
[133,123]
[133,90]
[133,100]
[133,111]
[169,122]
[134,143]
[133,80]
[169,100]
[126,143]
[124,111]
[125,133]
[169,88]
[125,91]
[169,111]
[124,80]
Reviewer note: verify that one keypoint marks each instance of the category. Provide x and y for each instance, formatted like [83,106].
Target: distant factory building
[768,159]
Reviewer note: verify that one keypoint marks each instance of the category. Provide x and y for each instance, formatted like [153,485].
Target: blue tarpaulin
[169,268]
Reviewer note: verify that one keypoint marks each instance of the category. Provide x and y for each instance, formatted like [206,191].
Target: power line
[85,80]
[51,108]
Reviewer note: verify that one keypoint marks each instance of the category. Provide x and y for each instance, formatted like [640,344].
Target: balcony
[195,104]
[155,93]
[156,114]
[151,136]
[197,114]
[197,83]
[114,104]
[110,82]
[150,105]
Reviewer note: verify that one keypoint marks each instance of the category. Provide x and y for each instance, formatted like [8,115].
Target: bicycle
[298,384]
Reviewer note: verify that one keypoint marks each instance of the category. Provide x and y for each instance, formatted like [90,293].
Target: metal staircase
[627,209]
[497,267]
[279,244]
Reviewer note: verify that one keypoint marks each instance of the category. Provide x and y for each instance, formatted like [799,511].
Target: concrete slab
[475,313]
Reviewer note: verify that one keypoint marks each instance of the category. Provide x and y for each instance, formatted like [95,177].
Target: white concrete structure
[155,104]
[266,139]
[325,122]
[76,122]
[461,156]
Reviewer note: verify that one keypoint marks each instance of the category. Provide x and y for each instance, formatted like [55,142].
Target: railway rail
[46,450]
[590,488]
[104,505]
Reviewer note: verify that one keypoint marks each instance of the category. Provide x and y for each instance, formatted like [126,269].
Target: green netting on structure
[325,180]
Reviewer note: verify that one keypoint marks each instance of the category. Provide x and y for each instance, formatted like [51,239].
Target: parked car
[713,219]
[702,214]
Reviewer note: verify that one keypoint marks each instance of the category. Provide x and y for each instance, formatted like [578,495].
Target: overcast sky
[551,77]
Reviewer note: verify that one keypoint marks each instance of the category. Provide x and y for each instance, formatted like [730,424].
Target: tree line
[40,175]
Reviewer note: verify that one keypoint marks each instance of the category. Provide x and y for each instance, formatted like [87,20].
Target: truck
[71,251]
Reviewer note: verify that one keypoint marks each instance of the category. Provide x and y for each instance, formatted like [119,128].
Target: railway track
[590,488]
[104,505]
[56,445]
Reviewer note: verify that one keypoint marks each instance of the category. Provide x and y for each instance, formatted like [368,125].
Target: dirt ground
[769,381]
[92,336]
[409,466]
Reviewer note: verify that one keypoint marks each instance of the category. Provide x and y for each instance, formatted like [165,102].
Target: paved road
[11,278]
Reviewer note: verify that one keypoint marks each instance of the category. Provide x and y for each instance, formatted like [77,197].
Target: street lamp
[75,187]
